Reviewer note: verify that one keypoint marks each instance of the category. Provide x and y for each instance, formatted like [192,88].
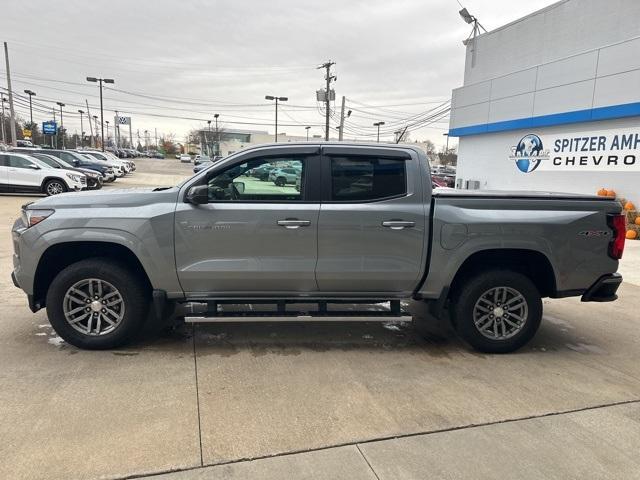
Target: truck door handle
[398,224]
[293,223]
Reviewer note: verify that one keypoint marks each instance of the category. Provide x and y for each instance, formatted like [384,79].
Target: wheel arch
[49,178]
[59,256]
[532,263]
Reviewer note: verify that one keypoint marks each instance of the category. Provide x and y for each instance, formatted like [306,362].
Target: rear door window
[365,179]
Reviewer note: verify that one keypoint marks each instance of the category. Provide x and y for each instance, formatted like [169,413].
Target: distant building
[232,140]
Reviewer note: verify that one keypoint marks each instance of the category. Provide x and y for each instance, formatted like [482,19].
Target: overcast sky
[183,61]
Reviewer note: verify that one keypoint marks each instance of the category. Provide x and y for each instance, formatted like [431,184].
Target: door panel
[4,171]
[21,175]
[253,235]
[369,246]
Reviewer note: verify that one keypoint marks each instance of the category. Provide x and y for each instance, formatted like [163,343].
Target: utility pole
[93,143]
[156,133]
[327,98]
[95,122]
[81,112]
[12,112]
[60,104]
[341,134]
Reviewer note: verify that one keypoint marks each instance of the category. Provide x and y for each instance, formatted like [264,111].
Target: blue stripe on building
[577,116]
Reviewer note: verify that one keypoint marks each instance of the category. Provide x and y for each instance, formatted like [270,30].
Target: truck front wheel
[497,311]
[97,304]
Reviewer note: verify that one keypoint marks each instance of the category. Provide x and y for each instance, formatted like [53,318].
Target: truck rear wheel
[497,311]
[97,304]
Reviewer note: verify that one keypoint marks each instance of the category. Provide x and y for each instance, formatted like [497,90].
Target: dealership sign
[604,150]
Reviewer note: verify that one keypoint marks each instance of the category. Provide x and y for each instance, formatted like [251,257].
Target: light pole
[60,104]
[31,93]
[81,112]
[101,81]
[2,100]
[107,122]
[209,138]
[215,116]
[277,99]
[378,124]
[307,129]
[447,147]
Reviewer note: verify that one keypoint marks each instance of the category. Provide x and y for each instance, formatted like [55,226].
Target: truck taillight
[616,246]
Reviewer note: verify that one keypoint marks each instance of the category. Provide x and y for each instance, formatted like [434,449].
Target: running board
[217,310]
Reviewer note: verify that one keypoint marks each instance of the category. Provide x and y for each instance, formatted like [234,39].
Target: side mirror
[239,186]
[198,195]
[34,167]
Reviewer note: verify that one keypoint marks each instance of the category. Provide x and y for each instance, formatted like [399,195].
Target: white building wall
[565,28]
[486,158]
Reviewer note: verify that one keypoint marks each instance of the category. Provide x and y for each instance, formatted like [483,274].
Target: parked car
[24,143]
[201,166]
[94,179]
[185,158]
[20,172]
[82,161]
[262,172]
[284,176]
[391,237]
[120,167]
[200,159]
[156,154]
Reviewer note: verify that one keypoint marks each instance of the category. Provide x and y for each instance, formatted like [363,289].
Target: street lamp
[447,148]
[81,112]
[307,129]
[101,81]
[378,124]
[216,115]
[277,99]
[60,104]
[209,138]
[2,100]
[107,122]
[31,93]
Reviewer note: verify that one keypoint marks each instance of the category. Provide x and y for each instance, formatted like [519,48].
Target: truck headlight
[32,217]
[74,178]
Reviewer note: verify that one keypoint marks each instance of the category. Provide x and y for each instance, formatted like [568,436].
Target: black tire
[54,187]
[135,297]
[280,182]
[467,295]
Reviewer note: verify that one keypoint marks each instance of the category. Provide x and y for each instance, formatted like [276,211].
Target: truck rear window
[367,178]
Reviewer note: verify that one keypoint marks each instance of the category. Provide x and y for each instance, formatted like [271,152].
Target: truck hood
[125,197]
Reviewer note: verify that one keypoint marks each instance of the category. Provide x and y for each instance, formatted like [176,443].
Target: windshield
[47,159]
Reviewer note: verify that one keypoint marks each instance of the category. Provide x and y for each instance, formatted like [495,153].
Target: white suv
[23,173]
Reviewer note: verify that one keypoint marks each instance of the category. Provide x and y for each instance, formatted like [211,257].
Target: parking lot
[320,400]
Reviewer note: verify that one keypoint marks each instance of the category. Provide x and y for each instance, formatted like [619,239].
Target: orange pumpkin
[629,206]
[631,234]
[637,222]
[611,193]
[602,192]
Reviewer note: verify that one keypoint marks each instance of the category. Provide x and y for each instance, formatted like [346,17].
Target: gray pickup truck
[364,226]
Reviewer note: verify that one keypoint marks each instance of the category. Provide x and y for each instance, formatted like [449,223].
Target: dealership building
[552,102]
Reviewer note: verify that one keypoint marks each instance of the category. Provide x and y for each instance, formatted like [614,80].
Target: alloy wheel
[500,313]
[93,307]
